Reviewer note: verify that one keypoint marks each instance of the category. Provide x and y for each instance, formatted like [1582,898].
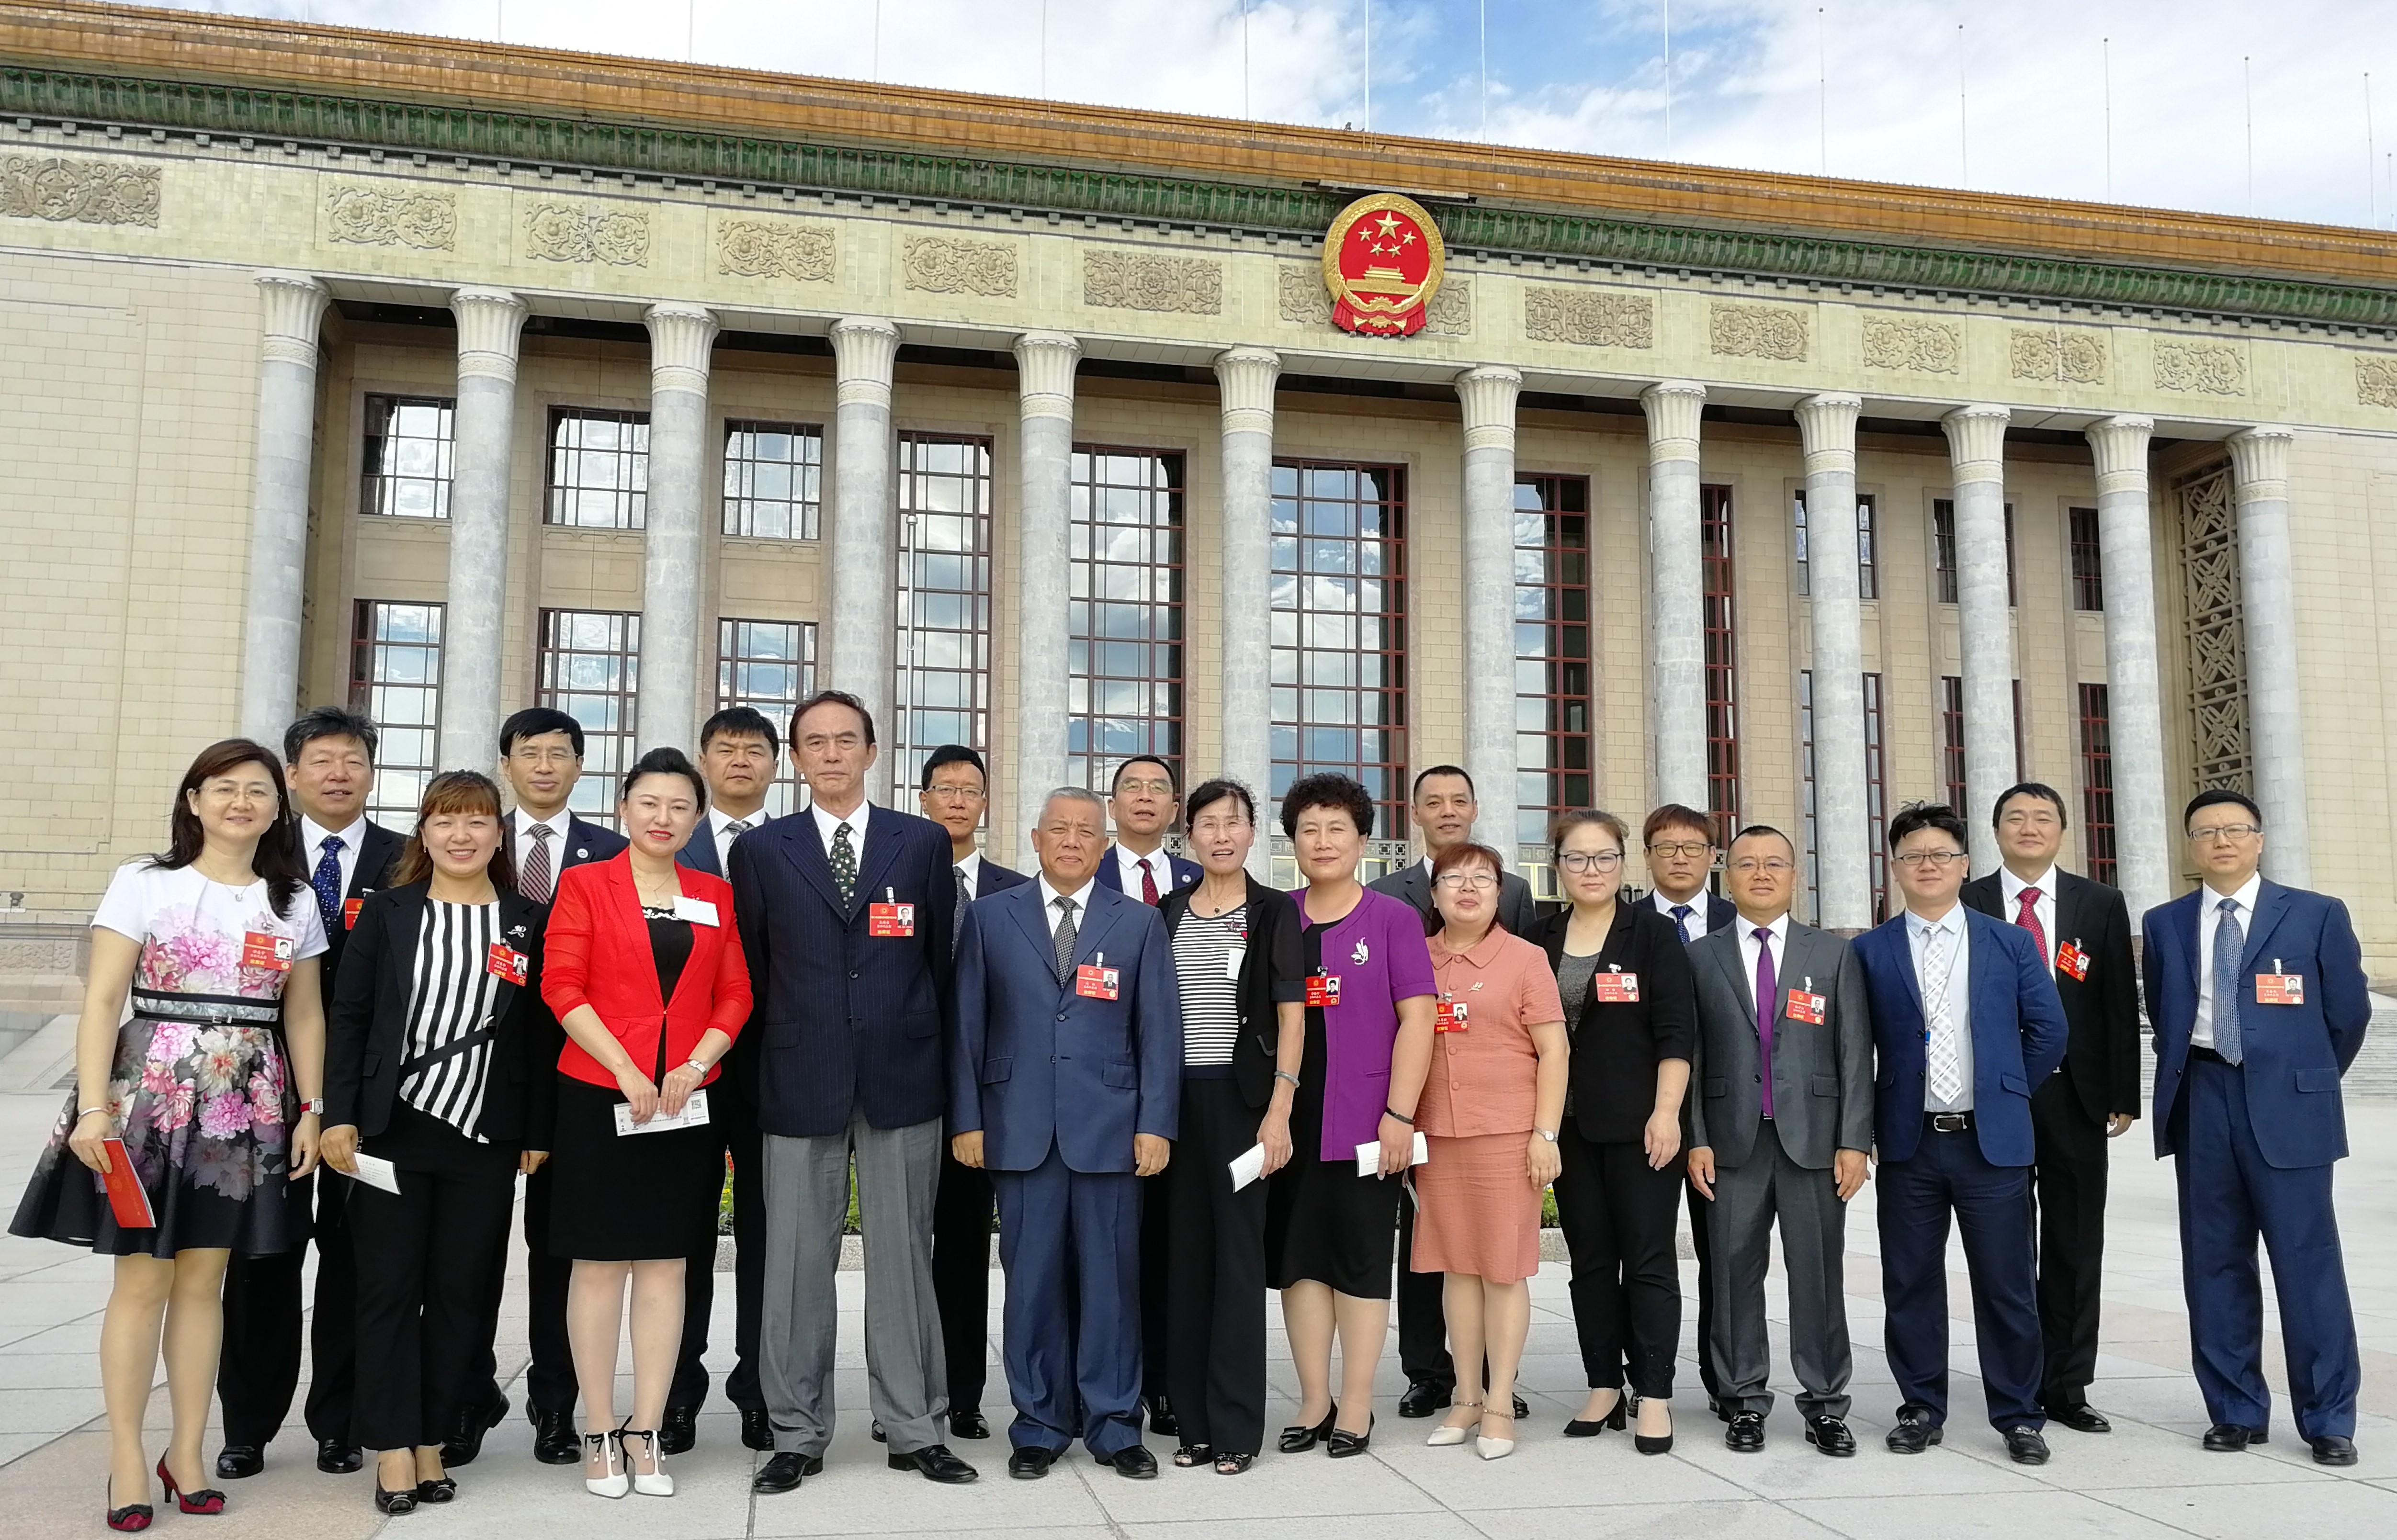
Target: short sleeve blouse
[1485,1078]
[1377,950]
[194,931]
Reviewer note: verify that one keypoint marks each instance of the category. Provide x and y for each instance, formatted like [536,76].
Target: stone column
[1487,396]
[1976,446]
[1245,376]
[1826,425]
[292,304]
[490,321]
[864,612]
[1677,638]
[2144,836]
[1044,383]
[2268,601]
[680,336]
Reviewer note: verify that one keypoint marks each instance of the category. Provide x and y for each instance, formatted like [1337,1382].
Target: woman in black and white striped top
[1242,970]
[438,1059]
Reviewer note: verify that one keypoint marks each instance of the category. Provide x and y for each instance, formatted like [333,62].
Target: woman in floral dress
[214,941]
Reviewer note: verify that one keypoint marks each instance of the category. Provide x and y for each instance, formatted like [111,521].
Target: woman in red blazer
[644,971]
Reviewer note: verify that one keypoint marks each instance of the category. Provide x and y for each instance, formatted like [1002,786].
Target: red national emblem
[1383,260]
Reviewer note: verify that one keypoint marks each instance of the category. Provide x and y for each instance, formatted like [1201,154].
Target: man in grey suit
[1780,1126]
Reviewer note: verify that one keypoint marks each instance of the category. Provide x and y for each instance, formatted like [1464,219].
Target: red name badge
[1093,982]
[1322,989]
[350,907]
[1615,988]
[262,950]
[2280,989]
[2071,961]
[1449,1016]
[1803,1006]
[892,919]
[506,962]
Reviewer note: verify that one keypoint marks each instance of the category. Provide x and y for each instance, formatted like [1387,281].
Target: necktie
[539,878]
[1147,883]
[965,896]
[326,880]
[2229,941]
[844,865]
[1682,921]
[1946,1074]
[1064,907]
[732,831]
[2028,918]
[1768,990]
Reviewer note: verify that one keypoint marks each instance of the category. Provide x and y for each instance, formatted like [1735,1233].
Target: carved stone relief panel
[940,264]
[1757,331]
[775,248]
[2070,355]
[425,220]
[580,233]
[2376,381]
[1593,317]
[2200,367]
[1303,296]
[1115,278]
[1919,346]
[78,191]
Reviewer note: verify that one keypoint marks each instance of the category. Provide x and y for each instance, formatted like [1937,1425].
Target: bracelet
[86,1112]
[1393,1112]
[694,1064]
[1286,1075]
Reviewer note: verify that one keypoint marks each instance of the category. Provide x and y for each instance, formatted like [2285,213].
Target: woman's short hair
[456,791]
[1328,790]
[1208,793]
[1466,854]
[666,761]
[1580,818]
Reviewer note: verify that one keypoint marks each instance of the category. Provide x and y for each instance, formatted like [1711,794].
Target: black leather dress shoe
[236,1461]
[2025,1445]
[1912,1435]
[1028,1463]
[934,1463]
[2083,1418]
[757,1431]
[968,1423]
[2332,1450]
[555,1442]
[1161,1417]
[1133,1460]
[338,1457]
[1424,1398]
[679,1430]
[466,1442]
[785,1472]
[2230,1437]
[876,1429]
[1831,1436]
[1746,1433]
[1523,1409]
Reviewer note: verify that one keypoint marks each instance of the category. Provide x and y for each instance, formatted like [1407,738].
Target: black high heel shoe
[131,1517]
[1341,1443]
[1647,1445]
[207,1500]
[1579,1428]
[1299,1438]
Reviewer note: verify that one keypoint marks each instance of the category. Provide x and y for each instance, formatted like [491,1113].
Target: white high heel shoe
[1493,1448]
[1448,1436]
[657,1484]
[615,1484]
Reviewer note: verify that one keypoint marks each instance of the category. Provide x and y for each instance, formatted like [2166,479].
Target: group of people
[1174,1088]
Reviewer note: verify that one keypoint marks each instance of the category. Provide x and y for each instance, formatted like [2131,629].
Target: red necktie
[1148,884]
[2028,920]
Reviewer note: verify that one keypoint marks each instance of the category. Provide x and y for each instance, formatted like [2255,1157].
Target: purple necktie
[1766,987]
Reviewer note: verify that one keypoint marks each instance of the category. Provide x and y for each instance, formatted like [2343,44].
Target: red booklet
[130,1204]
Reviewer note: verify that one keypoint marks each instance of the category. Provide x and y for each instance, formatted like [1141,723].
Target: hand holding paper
[1369,1156]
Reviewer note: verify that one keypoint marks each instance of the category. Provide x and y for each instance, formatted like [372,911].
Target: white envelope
[694,1114]
[1247,1166]
[376,1171]
[1369,1156]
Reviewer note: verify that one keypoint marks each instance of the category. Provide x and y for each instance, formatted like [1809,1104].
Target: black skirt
[633,1197]
[1325,1223]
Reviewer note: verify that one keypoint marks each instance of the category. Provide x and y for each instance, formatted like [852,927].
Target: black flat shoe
[934,1463]
[2230,1437]
[1298,1438]
[1030,1464]
[441,1489]
[2083,1418]
[1194,1454]
[679,1430]
[1745,1434]
[239,1462]
[968,1423]
[2333,1450]
[555,1442]
[402,1501]
[1342,1443]
[1614,1419]
[336,1456]
[1230,1463]
[2025,1445]
[1134,1461]
[1831,1436]
[466,1443]
[1161,1417]
[1425,1397]
[785,1472]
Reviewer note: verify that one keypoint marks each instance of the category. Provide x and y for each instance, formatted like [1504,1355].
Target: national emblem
[1383,259]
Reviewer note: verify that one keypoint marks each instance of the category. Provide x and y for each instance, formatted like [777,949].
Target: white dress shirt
[2209,919]
[2043,906]
[1081,897]
[1959,950]
[1160,865]
[522,822]
[1697,923]
[1778,934]
[711,827]
[969,868]
[826,823]
[312,836]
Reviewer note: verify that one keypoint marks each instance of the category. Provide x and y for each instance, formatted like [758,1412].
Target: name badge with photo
[1449,1016]
[506,962]
[1804,1005]
[2071,961]
[1093,980]
[889,918]
[1614,988]
[261,949]
[2280,989]
[1322,989]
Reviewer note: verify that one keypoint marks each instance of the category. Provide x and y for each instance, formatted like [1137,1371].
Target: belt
[2211,1057]
[1948,1122]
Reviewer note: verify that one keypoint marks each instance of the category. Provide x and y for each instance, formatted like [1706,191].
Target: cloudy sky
[1888,90]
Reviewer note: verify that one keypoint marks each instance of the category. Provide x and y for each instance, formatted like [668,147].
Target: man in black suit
[845,914]
[328,763]
[957,791]
[738,750]
[2083,928]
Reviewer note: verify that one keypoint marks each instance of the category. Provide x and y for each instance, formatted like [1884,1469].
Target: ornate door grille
[2217,647]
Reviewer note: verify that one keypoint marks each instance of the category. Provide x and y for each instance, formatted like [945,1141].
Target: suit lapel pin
[1360,956]
[581,854]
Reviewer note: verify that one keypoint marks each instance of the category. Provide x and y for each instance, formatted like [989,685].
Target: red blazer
[597,953]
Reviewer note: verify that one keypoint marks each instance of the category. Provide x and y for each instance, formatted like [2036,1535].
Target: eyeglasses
[1154,788]
[2224,833]
[1749,865]
[1459,881]
[1590,861]
[1915,859]
[1689,848]
[955,794]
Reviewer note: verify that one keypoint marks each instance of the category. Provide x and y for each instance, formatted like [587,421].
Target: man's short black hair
[955,754]
[533,721]
[741,722]
[2030,788]
[1328,790]
[2214,796]
[1765,831]
[1117,784]
[1917,816]
[1416,789]
[331,722]
[833,698]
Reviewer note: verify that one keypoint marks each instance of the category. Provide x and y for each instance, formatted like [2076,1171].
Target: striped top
[451,1012]
[1206,959]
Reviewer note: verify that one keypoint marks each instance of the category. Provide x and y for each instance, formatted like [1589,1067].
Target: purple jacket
[1378,953]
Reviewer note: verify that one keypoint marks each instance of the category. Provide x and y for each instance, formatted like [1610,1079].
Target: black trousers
[258,1369]
[1215,1275]
[1619,1218]
[2069,1185]
[1702,1249]
[1156,1247]
[426,1309]
[690,1387]
[961,1230]
[1423,1318]
[549,1380]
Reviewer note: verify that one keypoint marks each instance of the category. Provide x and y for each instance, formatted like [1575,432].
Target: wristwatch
[314,1104]
[694,1064]
[1548,1134]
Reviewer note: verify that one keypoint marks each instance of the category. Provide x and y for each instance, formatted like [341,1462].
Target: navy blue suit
[1110,876]
[1982,1174]
[1058,1084]
[2254,1142]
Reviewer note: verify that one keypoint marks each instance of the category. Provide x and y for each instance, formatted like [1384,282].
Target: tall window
[770,665]
[1125,625]
[2096,783]
[599,468]
[1723,676]
[590,667]
[2088,577]
[1339,635]
[406,467]
[1943,547]
[1876,792]
[1952,737]
[773,479]
[1553,749]
[396,679]
[944,651]
[1868,571]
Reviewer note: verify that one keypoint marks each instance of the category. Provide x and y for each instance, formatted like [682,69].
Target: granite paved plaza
[2147,1479]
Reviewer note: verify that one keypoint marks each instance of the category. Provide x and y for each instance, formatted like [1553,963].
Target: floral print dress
[199,1090]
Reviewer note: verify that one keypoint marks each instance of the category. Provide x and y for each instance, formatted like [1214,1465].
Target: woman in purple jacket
[1330,1233]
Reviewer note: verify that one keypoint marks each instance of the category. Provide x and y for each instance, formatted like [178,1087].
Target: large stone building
[446,377]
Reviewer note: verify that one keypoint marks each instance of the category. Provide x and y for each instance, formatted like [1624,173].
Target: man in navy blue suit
[1966,1021]
[1064,1083]
[2257,998]
[846,913]
[955,793]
